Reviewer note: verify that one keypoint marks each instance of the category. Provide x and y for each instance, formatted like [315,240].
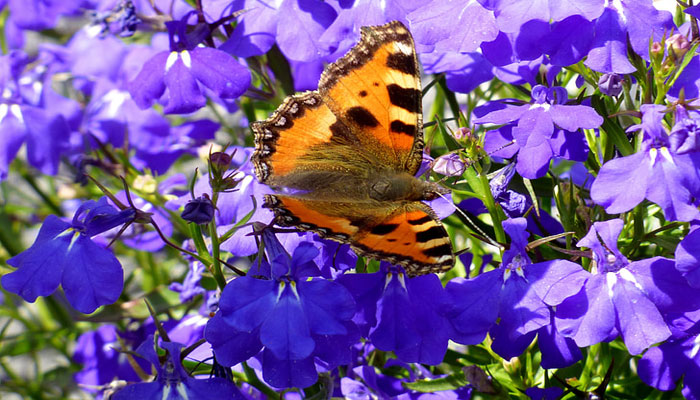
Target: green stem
[49,202]
[215,252]
[255,382]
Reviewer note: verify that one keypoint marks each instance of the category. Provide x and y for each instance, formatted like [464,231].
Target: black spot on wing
[401,62]
[362,117]
[363,93]
[439,251]
[399,127]
[408,99]
[384,229]
[434,232]
[420,221]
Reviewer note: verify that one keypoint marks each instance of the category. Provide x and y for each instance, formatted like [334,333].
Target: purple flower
[624,298]
[184,68]
[263,23]
[382,298]
[518,293]
[545,128]
[294,318]
[190,287]
[449,165]
[172,382]
[688,257]
[656,173]
[637,20]
[32,113]
[64,254]
[610,84]
[664,365]
[511,15]
[463,72]
[452,26]
[40,14]
[98,352]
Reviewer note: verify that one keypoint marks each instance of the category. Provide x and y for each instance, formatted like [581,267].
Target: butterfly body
[346,156]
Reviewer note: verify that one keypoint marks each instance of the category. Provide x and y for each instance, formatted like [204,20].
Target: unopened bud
[610,84]
[200,211]
[449,165]
[220,160]
[677,45]
[462,133]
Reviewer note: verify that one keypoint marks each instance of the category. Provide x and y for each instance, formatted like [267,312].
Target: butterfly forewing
[375,90]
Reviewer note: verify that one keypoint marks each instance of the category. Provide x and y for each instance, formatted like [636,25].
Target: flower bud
[200,211]
[449,165]
[677,45]
[610,84]
[220,160]
[462,133]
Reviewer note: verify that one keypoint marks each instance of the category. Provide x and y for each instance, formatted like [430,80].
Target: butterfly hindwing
[402,233]
[375,90]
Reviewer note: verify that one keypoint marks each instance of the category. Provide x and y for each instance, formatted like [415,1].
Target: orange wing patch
[412,237]
[375,90]
[300,123]
[406,234]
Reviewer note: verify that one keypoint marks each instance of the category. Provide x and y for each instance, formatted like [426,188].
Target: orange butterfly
[350,152]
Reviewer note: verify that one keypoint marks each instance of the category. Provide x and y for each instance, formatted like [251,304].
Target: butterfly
[347,155]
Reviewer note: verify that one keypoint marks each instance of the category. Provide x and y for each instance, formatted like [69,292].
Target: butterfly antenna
[484,237]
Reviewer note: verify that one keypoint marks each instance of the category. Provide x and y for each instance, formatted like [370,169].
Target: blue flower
[383,299]
[32,113]
[688,257]
[545,128]
[656,172]
[664,365]
[64,254]
[294,318]
[521,295]
[624,298]
[265,23]
[190,287]
[637,20]
[184,68]
[172,382]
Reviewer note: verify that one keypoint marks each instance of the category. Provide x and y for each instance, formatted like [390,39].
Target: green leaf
[450,382]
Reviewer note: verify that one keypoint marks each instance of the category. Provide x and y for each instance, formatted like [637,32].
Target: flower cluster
[565,137]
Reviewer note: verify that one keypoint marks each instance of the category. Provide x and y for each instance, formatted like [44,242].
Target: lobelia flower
[32,113]
[511,15]
[383,299]
[521,295]
[623,20]
[295,319]
[688,257]
[264,23]
[172,382]
[463,72]
[664,365]
[656,172]
[63,253]
[190,287]
[451,26]
[184,68]
[545,128]
[624,298]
